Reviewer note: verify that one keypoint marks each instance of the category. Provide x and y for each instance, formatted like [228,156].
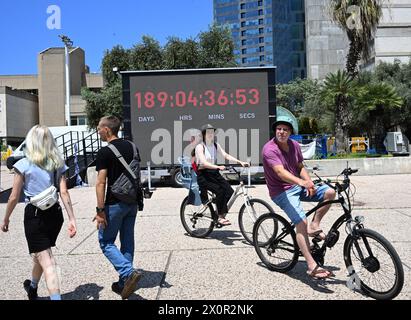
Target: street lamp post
[67,44]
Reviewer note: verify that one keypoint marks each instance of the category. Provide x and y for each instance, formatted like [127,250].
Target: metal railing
[79,151]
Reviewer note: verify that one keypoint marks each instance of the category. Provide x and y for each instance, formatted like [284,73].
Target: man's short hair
[113,123]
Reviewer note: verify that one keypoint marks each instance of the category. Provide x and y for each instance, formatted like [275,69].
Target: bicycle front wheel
[197,220]
[373,265]
[248,215]
[275,242]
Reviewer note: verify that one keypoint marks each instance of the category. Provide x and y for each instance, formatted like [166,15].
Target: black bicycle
[373,265]
[199,221]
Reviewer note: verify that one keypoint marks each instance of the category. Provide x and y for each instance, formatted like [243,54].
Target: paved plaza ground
[222,266]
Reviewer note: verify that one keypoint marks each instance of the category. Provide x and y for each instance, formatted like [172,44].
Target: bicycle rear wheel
[373,265]
[197,220]
[248,215]
[275,242]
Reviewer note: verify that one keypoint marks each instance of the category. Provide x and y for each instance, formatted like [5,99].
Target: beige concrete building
[46,93]
[393,36]
[18,113]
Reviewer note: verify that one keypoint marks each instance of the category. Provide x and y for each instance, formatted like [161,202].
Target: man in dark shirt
[113,216]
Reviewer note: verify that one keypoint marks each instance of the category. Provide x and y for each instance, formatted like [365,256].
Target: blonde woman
[42,167]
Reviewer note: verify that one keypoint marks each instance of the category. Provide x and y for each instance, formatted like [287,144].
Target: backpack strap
[121,159]
[136,154]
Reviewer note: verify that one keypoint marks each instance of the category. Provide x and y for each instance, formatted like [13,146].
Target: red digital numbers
[208,98]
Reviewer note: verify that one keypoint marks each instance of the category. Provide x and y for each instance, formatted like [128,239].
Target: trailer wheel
[176,179]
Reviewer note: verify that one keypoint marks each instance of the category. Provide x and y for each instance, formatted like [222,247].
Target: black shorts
[42,227]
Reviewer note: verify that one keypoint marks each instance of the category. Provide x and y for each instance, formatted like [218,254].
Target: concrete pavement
[222,266]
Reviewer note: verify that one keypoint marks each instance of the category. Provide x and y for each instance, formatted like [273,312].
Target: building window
[78,120]
[297,5]
[261,49]
[244,51]
[242,6]
[260,3]
[244,60]
[261,40]
[261,58]
[260,21]
[260,12]
[242,23]
[242,15]
[243,33]
[261,30]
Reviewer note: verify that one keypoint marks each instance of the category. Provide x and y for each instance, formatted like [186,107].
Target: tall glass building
[267,32]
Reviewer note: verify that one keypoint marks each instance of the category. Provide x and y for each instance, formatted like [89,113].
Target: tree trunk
[353,56]
[341,124]
[379,133]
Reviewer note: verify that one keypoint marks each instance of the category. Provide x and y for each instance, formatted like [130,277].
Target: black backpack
[127,188]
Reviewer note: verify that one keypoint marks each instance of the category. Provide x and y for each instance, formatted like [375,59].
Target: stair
[79,150]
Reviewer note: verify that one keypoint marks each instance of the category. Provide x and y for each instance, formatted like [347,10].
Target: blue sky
[94,26]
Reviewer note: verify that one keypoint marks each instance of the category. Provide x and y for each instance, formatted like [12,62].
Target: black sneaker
[115,287]
[31,292]
[130,284]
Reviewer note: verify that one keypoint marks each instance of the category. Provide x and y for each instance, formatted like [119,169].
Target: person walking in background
[112,215]
[42,168]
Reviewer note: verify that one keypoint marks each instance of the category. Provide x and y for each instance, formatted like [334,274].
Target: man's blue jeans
[121,219]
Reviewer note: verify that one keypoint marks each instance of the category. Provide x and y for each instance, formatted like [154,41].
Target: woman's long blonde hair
[41,149]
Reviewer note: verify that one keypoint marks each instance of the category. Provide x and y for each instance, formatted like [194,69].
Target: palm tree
[359,19]
[339,89]
[374,103]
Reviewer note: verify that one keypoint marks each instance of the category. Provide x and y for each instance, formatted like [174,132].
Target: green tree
[147,55]
[359,20]
[339,91]
[307,125]
[213,50]
[398,75]
[216,48]
[302,97]
[373,108]
[179,54]
[299,95]
[104,103]
[117,57]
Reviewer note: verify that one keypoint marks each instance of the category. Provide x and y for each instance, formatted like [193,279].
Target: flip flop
[318,270]
[224,221]
[317,234]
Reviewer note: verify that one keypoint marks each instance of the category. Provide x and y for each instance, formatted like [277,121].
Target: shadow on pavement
[299,272]
[226,237]
[89,291]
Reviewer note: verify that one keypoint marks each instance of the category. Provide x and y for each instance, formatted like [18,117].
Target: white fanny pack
[47,198]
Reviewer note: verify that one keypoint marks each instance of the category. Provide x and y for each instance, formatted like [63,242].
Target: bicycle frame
[345,217]
[239,190]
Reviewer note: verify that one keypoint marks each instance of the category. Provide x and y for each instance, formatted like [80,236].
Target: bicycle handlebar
[340,187]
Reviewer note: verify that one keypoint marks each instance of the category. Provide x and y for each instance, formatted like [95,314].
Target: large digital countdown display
[164,111]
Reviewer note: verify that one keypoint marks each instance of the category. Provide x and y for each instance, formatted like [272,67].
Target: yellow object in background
[6,154]
[358,144]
